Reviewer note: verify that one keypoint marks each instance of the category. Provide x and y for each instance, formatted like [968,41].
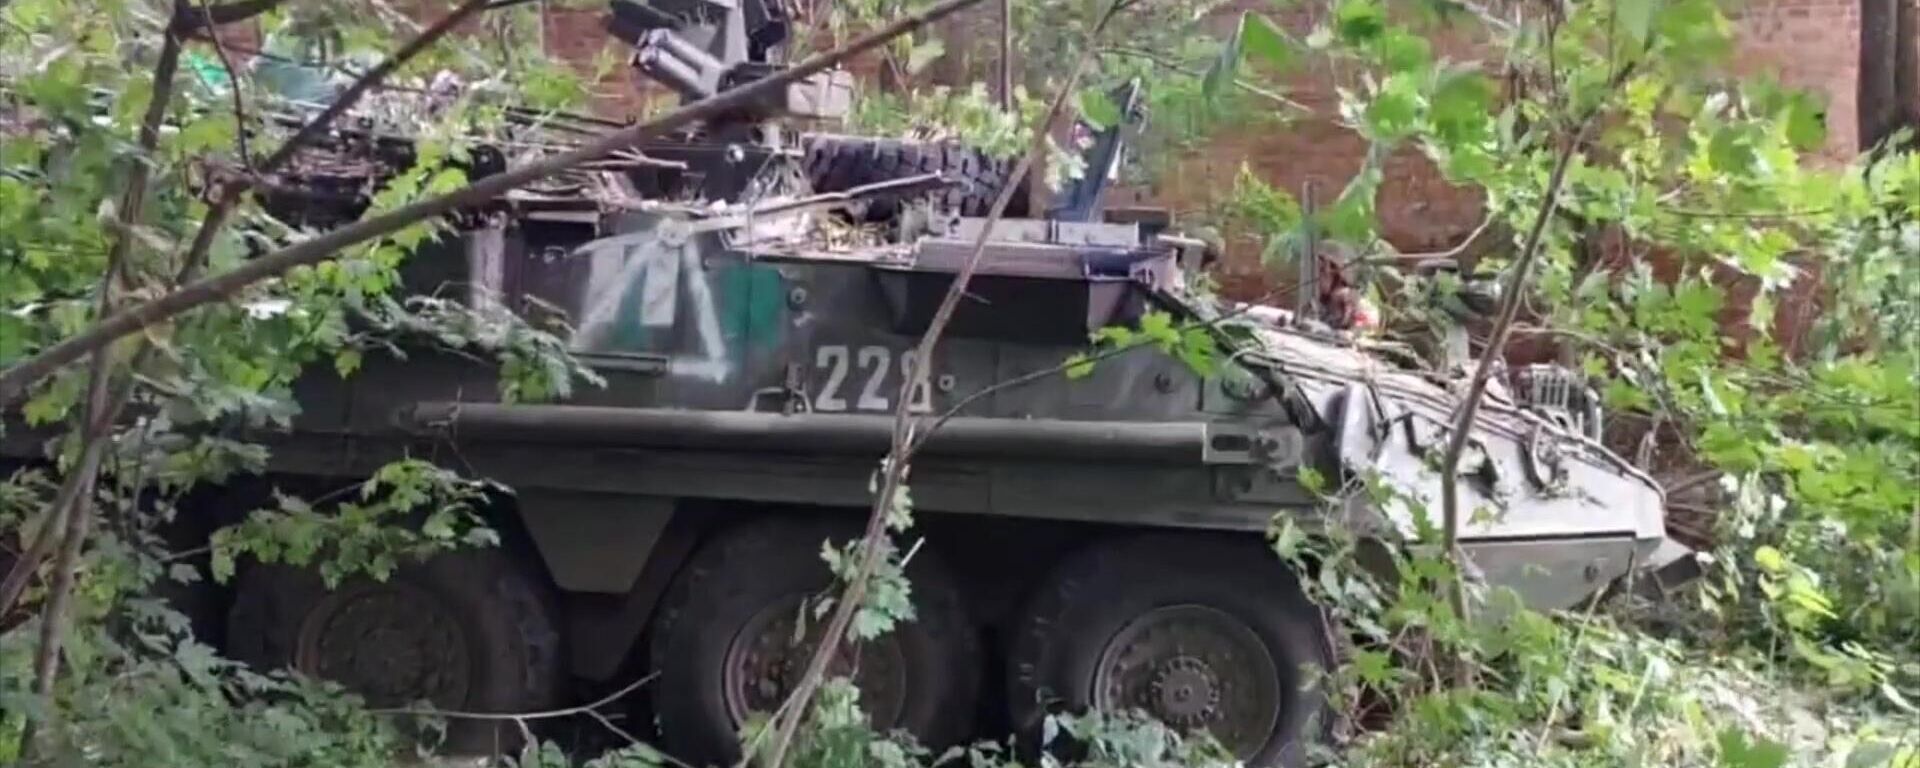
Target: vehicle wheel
[468,631]
[1197,631]
[839,163]
[723,646]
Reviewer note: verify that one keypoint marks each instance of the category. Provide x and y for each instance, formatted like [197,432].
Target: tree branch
[1494,352]
[239,101]
[1469,407]
[1164,62]
[893,473]
[185,21]
[16,379]
[1062,367]
[103,401]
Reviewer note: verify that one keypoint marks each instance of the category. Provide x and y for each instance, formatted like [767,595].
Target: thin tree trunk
[1006,55]
[1906,65]
[103,402]
[1885,92]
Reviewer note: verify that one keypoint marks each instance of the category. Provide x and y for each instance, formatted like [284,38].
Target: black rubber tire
[747,567]
[505,615]
[1060,635]
[838,163]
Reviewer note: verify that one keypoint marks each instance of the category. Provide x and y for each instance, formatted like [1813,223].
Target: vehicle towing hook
[1672,567]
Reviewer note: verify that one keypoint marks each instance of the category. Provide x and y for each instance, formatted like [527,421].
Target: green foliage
[1800,648]
[372,534]
[1192,344]
[938,113]
[75,82]
[838,736]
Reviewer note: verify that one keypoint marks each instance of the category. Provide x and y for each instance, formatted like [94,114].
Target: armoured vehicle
[752,300]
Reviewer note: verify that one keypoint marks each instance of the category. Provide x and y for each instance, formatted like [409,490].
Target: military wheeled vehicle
[753,303]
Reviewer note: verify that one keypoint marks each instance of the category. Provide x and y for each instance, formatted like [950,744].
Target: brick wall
[1811,44]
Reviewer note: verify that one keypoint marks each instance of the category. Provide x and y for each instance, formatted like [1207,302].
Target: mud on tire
[838,163]
[720,651]
[469,631]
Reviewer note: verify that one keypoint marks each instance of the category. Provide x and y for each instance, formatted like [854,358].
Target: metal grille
[1560,395]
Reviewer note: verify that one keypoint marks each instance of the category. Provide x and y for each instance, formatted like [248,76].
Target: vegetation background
[1663,223]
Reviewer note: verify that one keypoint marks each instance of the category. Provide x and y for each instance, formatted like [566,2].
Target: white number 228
[876,362]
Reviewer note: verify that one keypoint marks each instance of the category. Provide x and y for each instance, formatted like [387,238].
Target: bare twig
[233,77]
[1006,56]
[590,709]
[91,453]
[1171,65]
[79,523]
[894,469]
[1749,215]
[550,714]
[1450,253]
[17,378]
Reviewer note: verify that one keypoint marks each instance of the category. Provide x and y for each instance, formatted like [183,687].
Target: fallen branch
[794,710]
[590,709]
[15,380]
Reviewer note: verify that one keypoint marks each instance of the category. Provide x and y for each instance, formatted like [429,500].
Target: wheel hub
[1186,690]
[1194,667]
[392,645]
[768,656]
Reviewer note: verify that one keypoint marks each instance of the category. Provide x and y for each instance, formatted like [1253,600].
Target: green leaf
[1692,30]
[1225,68]
[1262,38]
[1394,112]
[1287,541]
[1079,366]
[1359,22]
[1731,151]
[1770,559]
[1736,751]
[1805,122]
[1097,109]
[1633,19]
[1461,107]
[1403,51]
[1312,480]
[346,362]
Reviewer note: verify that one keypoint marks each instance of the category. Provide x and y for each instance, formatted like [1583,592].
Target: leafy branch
[15,380]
